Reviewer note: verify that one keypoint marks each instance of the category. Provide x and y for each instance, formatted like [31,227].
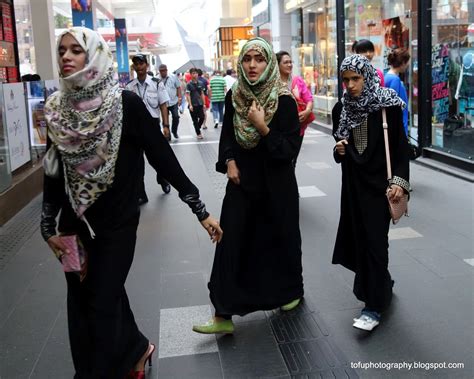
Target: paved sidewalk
[431,259]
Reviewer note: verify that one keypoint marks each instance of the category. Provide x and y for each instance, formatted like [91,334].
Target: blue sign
[121,43]
[82,13]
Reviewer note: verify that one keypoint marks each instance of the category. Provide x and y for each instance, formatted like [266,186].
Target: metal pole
[341,41]
[424,71]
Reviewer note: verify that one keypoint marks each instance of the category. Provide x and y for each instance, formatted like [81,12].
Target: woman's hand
[256,116]
[57,246]
[395,193]
[213,229]
[233,172]
[303,115]
[341,147]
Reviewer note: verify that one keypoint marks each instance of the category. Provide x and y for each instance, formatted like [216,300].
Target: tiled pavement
[431,259]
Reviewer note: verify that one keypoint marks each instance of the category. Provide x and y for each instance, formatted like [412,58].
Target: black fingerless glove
[48,220]
[196,205]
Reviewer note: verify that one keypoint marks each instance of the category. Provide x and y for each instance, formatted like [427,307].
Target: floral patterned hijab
[373,97]
[265,91]
[85,122]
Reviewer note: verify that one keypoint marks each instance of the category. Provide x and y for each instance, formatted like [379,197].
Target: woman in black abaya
[362,236]
[257,265]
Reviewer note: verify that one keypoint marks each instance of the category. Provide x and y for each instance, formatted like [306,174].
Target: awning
[194,63]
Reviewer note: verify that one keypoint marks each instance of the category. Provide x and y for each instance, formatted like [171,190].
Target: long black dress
[362,237]
[257,264]
[104,338]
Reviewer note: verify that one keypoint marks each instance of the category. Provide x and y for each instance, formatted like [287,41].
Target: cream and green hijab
[85,123]
[265,91]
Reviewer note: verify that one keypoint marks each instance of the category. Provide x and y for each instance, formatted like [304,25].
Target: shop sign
[17,124]
[7,54]
[439,78]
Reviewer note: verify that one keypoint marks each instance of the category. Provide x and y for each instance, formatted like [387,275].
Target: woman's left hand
[256,116]
[395,194]
[213,229]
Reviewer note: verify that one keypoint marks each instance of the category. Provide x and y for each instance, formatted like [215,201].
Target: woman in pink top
[300,91]
[367,49]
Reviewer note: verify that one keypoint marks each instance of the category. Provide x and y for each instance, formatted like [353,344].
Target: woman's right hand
[57,246]
[341,147]
[233,172]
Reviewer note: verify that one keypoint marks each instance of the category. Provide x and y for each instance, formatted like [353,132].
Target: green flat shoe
[212,327]
[290,306]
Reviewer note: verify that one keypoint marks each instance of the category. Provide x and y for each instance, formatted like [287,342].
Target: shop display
[16,124]
[37,121]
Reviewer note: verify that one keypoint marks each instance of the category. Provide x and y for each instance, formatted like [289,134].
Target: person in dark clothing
[362,236]
[96,135]
[257,265]
[196,100]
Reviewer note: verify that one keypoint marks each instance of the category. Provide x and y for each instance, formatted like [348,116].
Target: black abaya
[105,340]
[362,236]
[257,265]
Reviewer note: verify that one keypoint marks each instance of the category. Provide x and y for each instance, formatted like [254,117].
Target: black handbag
[414,150]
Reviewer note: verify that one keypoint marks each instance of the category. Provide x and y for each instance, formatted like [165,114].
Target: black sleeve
[227,141]
[336,116]
[399,154]
[283,139]
[53,197]
[162,158]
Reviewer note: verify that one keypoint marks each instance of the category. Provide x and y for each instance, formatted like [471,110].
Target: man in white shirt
[229,79]
[173,86]
[155,97]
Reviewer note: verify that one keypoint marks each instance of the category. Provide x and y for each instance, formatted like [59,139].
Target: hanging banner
[82,13]
[121,43]
[17,124]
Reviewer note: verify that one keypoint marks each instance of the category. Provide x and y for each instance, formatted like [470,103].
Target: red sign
[8,31]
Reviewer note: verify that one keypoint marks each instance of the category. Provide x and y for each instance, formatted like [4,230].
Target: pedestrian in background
[300,91]
[257,264]
[398,60]
[96,137]
[367,49]
[217,91]
[229,79]
[362,236]
[155,97]
[207,103]
[173,86]
[195,99]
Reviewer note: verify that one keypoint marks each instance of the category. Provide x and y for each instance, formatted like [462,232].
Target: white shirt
[152,93]
[171,83]
[229,81]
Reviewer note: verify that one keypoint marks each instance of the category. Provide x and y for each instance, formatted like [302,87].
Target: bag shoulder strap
[387,149]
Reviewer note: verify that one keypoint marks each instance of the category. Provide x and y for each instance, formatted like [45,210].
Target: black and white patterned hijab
[373,97]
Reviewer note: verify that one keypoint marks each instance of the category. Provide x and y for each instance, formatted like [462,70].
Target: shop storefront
[439,79]
[226,43]
[453,77]
[314,51]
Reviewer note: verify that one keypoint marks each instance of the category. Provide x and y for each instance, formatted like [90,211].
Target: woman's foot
[217,325]
[140,366]
[368,320]
[290,306]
